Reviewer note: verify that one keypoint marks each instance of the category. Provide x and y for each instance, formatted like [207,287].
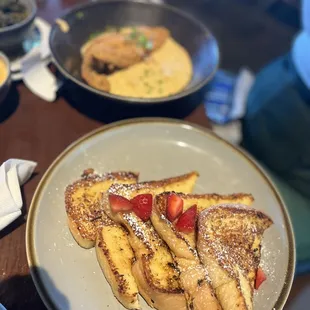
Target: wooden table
[33,129]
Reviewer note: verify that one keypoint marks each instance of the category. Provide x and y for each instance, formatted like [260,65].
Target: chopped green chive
[94,34]
[134,34]
[79,15]
[149,45]
[140,38]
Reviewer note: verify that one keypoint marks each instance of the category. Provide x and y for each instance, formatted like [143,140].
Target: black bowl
[95,17]
[12,37]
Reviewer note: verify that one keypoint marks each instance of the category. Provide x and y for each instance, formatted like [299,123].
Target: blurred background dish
[136,61]
[69,34]
[5,76]
[16,21]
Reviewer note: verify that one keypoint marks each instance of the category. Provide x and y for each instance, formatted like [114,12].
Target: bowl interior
[31,6]
[32,10]
[5,61]
[193,35]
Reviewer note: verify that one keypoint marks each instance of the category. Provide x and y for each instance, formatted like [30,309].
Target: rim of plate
[32,259]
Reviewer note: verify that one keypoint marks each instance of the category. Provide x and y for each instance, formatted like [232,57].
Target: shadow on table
[19,292]
[11,227]
[15,224]
[107,110]
[10,103]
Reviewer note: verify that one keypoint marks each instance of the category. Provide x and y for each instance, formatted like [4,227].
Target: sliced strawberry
[187,221]
[119,203]
[260,278]
[174,207]
[142,206]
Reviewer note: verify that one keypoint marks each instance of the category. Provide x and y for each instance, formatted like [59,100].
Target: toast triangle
[184,245]
[229,245]
[90,226]
[155,270]
[82,202]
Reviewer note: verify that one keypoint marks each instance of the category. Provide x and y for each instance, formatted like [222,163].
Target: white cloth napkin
[13,174]
[34,71]
[37,77]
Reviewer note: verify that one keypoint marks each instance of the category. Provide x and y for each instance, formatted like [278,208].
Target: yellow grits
[3,71]
[167,71]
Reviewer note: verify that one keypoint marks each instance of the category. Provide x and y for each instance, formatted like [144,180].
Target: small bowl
[6,84]
[12,37]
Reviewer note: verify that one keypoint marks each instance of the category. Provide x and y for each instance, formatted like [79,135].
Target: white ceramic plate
[69,277]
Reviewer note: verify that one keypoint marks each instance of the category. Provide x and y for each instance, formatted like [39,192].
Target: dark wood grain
[31,128]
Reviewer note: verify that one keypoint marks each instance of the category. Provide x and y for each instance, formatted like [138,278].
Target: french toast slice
[88,225]
[115,257]
[155,270]
[82,202]
[196,284]
[229,245]
[181,244]
[184,183]
[194,276]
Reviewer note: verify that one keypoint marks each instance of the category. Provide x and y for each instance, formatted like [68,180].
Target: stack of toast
[176,249]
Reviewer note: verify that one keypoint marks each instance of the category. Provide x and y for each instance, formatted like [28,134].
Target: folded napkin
[13,174]
[37,77]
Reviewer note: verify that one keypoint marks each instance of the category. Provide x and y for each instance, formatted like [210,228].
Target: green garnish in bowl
[94,34]
[79,15]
